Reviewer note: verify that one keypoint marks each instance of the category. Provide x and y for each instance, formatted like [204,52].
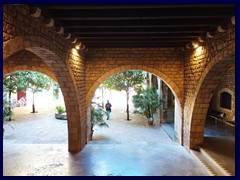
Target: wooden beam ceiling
[138,25]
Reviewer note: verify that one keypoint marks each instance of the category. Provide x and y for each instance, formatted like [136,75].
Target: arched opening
[37,54]
[212,126]
[172,100]
[213,79]
[33,104]
[226,100]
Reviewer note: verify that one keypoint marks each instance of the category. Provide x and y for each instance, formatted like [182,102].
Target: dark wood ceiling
[138,25]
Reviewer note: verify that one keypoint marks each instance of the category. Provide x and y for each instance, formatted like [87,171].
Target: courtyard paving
[36,145]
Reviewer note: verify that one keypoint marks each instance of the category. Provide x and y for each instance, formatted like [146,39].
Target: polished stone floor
[36,145]
[219,142]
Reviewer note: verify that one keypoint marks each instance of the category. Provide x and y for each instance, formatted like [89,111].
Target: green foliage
[60,109]
[36,82]
[148,101]
[55,90]
[124,80]
[23,80]
[15,82]
[97,118]
[7,112]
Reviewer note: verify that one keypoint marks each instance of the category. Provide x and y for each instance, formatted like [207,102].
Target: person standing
[108,109]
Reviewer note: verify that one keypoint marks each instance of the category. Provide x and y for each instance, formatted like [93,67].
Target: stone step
[206,163]
[215,163]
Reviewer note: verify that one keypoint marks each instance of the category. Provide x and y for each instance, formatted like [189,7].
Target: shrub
[60,109]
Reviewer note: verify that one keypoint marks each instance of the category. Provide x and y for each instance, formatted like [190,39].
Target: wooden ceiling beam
[129,6]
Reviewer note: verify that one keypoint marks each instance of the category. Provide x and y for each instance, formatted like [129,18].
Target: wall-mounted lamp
[78,45]
[199,51]
[195,44]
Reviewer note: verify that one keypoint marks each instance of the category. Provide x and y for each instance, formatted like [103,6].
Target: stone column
[160,110]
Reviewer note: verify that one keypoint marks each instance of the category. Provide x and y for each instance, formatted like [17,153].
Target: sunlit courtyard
[36,144]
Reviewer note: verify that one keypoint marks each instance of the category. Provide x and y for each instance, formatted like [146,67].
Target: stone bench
[217,115]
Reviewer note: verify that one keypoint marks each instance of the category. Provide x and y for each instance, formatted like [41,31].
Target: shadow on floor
[219,142]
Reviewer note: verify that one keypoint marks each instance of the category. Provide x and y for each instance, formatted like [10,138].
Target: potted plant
[61,113]
[148,101]
[97,119]
[7,109]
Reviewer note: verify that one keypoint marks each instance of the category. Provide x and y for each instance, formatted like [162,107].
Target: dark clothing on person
[108,109]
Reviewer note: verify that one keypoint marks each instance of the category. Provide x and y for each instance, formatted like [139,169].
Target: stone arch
[26,61]
[174,88]
[27,68]
[204,91]
[54,57]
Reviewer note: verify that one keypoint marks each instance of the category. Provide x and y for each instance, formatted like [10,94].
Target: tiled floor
[36,145]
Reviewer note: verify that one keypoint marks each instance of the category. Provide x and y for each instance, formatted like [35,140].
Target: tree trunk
[102,99]
[127,93]
[9,108]
[33,106]
[91,134]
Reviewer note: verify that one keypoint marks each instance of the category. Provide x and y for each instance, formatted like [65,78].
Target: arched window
[226,100]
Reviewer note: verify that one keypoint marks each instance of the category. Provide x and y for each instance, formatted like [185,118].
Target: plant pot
[62,116]
[150,121]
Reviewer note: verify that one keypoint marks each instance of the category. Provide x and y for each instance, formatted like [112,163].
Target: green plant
[97,119]
[7,108]
[148,101]
[60,109]
[125,81]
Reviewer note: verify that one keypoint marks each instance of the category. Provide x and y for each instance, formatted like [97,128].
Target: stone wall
[204,68]
[22,32]
[226,84]
[193,75]
[25,60]
[166,63]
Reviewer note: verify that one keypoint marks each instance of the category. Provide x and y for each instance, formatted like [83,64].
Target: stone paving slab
[38,147]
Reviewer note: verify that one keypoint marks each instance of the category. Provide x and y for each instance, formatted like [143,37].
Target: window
[225,100]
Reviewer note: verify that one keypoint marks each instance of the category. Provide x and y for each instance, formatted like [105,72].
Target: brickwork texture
[192,76]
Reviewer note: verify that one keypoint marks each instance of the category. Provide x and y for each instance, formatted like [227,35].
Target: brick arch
[54,57]
[30,41]
[26,61]
[207,84]
[29,68]
[174,88]
[177,93]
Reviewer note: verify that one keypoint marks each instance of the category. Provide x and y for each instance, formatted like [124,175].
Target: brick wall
[203,71]
[166,63]
[25,60]
[226,84]
[191,75]
[22,32]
